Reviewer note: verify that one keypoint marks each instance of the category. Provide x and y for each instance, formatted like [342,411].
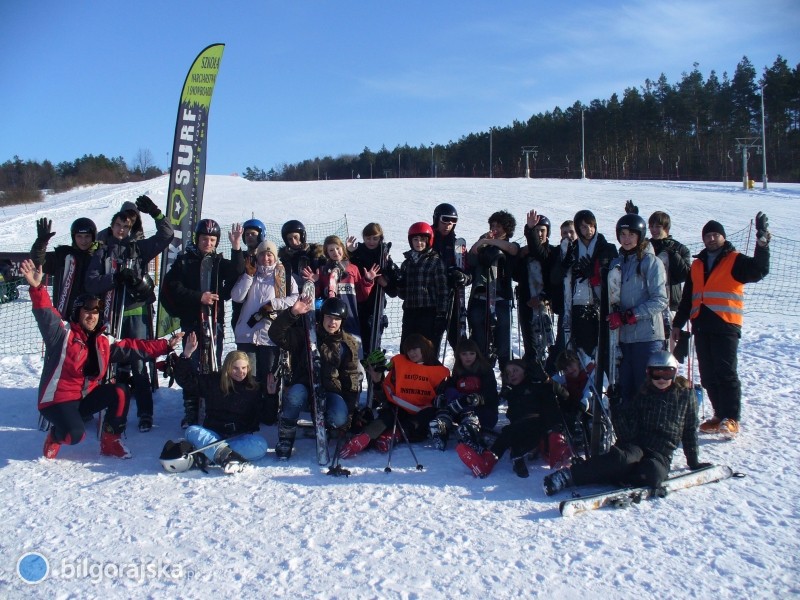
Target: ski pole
[410,447]
[388,468]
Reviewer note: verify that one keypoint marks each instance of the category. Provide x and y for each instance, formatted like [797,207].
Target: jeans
[633,369]
[296,399]
[250,446]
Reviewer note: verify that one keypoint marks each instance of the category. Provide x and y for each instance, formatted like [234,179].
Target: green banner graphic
[188,169]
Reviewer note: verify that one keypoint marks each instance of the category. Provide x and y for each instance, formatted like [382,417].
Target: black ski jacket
[230,415]
[181,291]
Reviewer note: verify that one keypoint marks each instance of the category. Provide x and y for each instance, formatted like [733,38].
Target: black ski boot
[287,430]
[231,462]
[557,481]
[438,428]
[191,411]
[469,432]
[519,466]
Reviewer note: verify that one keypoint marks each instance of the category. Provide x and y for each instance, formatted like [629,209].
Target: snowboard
[624,497]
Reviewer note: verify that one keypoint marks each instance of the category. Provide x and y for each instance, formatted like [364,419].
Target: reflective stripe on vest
[721,292]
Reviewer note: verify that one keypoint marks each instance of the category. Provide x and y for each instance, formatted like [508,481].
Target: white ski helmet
[662,360]
[176,457]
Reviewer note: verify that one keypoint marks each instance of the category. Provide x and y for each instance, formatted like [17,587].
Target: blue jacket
[644,291]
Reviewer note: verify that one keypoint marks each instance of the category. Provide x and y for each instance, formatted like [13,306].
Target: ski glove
[619,318]
[43,233]
[762,228]
[631,208]
[583,269]
[145,205]
[457,277]
[376,359]
[570,253]
[127,277]
[699,465]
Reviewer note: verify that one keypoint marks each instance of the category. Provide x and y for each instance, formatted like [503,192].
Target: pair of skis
[316,388]
[624,497]
[378,322]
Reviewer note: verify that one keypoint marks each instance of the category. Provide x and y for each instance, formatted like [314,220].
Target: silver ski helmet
[662,364]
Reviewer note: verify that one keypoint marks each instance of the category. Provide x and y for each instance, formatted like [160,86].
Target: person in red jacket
[76,358]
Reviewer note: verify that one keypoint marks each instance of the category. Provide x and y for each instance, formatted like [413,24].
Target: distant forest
[25,181]
[693,130]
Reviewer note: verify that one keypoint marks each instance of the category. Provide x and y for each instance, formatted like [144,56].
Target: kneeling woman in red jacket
[76,357]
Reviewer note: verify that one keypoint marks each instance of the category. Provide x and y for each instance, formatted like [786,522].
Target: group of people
[267,379]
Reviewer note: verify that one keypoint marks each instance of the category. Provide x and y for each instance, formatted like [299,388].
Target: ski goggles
[444,219]
[665,373]
[93,307]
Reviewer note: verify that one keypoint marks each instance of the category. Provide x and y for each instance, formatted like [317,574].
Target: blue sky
[303,78]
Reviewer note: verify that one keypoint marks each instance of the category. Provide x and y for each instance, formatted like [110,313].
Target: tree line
[694,129]
[25,181]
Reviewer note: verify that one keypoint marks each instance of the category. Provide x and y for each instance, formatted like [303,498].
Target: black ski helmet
[444,210]
[207,227]
[632,222]
[258,226]
[544,221]
[293,226]
[81,301]
[335,307]
[83,225]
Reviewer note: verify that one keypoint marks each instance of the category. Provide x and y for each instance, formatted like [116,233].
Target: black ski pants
[623,463]
[521,436]
[717,358]
[478,315]
[67,419]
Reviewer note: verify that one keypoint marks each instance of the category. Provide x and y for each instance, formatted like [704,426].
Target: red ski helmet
[420,228]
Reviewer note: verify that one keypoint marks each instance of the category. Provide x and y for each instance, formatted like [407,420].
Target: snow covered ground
[126,529]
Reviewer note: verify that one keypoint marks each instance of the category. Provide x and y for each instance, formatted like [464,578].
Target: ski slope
[126,529]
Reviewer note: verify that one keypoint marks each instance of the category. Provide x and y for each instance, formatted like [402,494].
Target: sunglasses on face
[663,374]
[452,220]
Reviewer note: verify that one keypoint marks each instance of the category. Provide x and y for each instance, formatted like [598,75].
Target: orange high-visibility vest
[411,386]
[721,292]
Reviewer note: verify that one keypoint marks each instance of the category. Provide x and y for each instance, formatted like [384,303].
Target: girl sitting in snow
[233,405]
[339,278]
[532,411]
[662,415]
[469,399]
[411,385]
